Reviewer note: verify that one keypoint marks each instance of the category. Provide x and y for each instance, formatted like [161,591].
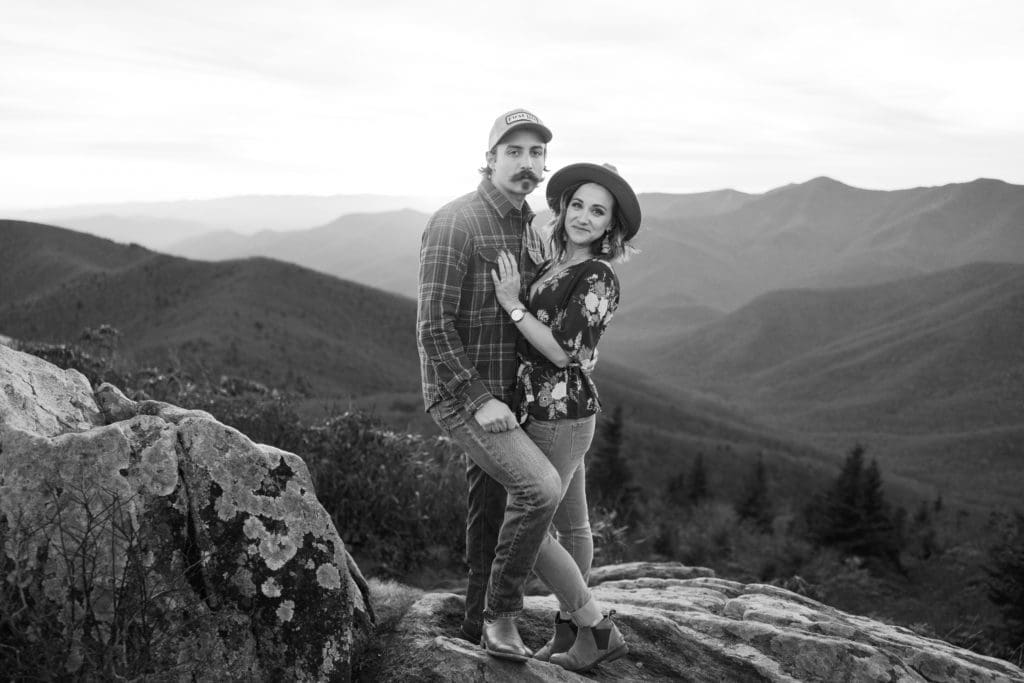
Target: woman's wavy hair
[611,247]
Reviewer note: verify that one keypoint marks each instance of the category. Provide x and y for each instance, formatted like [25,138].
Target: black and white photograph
[546,341]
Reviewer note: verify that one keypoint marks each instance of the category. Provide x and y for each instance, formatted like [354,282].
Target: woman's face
[588,214]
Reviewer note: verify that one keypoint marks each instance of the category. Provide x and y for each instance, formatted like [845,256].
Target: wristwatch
[517,314]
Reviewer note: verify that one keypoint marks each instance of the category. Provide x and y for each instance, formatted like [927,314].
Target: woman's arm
[507,287]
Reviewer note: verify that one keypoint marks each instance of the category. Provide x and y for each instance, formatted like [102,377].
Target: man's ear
[490,157]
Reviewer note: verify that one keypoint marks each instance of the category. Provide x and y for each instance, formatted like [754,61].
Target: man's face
[517,164]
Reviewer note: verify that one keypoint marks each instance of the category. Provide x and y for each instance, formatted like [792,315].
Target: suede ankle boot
[561,641]
[600,643]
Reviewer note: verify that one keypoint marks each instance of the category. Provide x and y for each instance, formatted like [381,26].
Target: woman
[570,303]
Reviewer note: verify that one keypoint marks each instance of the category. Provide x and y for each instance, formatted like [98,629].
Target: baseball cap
[517,118]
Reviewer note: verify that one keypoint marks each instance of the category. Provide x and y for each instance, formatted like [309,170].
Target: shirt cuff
[476,396]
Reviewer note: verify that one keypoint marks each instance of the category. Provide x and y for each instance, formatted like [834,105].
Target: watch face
[517,315]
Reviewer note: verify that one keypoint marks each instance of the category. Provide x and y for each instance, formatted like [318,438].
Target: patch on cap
[521,116]
[515,119]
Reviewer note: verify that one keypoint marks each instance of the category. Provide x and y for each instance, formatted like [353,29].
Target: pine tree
[924,538]
[1005,570]
[852,515]
[754,505]
[698,478]
[881,536]
[838,522]
[675,491]
[609,478]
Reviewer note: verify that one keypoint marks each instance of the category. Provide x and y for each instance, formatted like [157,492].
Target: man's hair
[486,169]
[618,250]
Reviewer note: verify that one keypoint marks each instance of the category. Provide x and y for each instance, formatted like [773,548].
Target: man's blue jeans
[512,462]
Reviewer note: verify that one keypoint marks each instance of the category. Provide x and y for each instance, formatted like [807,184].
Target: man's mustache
[527,174]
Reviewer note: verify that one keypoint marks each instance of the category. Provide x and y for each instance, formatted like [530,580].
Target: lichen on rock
[241,569]
[254,506]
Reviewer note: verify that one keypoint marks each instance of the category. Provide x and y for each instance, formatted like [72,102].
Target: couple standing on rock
[510,381]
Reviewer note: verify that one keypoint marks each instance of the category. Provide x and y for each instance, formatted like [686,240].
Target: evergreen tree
[852,515]
[698,478]
[754,505]
[837,519]
[881,535]
[1005,570]
[675,491]
[609,478]
[899,521]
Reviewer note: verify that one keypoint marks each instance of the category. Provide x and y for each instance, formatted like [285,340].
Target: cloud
[396,96]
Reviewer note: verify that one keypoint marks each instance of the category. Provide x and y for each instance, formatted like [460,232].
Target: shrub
[1005,569]
[94,354]
[397,499]
[78,599]
[611,544]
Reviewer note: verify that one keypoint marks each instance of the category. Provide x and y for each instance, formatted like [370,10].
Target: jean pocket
[541,431]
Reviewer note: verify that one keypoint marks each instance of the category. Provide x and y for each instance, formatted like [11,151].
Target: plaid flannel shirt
[466,342]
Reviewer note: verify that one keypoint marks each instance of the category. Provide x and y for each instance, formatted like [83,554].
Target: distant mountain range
[814,312]
[354,345]
[158,225]
[926,369]
[949,337]
[376,249]
[708,252]
[724,248]
[259,318]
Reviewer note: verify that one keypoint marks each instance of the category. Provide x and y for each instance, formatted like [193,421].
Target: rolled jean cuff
[587,616]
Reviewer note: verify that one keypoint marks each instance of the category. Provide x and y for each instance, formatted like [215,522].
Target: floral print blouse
[577,304]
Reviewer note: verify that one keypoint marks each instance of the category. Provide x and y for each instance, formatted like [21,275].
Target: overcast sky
[136,100]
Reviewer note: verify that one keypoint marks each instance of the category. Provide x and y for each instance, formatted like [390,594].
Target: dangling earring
[606,244]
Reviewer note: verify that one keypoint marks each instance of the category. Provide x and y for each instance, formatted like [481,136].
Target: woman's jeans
[564,565]
[533,489]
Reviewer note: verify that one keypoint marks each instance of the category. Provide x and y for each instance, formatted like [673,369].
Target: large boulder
[145,528]
[40,398]
[691,629]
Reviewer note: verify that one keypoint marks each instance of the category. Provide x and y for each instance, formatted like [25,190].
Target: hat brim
[542,130]
[625,198]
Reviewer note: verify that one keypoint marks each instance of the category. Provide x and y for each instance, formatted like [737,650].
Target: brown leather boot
[501,639]
[561,641]
[601,643]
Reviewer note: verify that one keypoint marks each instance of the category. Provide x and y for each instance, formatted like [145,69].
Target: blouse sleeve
[590,307]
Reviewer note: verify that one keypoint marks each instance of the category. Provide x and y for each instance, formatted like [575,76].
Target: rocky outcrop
[144,524]
[692,629]
[120,517]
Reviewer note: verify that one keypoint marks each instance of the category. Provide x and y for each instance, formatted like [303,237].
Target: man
[468,365]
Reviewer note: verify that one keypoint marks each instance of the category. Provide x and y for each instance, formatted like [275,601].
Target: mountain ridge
[718,249]
[273,321]
[933,357]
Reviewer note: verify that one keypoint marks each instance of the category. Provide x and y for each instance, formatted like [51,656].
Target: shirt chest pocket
[487,257]
[478,290]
